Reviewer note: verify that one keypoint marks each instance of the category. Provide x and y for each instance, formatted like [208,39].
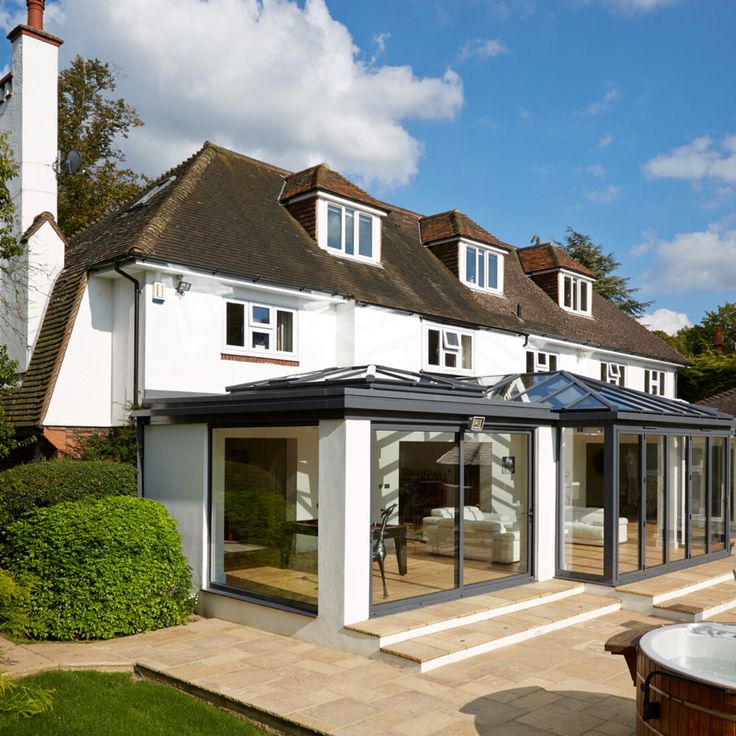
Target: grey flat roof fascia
[642,420]
[347,399]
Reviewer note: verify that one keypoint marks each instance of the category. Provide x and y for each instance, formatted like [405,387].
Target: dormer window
[575,293]
[539,362]
[613,373]
[481,267]
[348,229]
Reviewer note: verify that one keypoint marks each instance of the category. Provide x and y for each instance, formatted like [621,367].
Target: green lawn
[104,704]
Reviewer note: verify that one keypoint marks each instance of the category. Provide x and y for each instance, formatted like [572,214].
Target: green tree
[92,122]
[8,379]
[614,288]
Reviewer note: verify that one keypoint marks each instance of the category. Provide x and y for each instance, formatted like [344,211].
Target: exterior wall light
[476,424]
[180,285]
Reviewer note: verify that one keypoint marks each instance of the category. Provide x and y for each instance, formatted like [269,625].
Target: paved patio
[562,683]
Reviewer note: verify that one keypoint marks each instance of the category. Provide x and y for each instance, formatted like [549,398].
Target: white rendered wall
[83,393]
[122,349]
[175,474]
[545,506]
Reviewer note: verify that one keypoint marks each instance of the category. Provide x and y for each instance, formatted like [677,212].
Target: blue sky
[614,117]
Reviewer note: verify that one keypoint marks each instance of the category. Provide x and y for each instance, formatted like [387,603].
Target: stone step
[429,652]
[439,617]
[700,605]
[644,594]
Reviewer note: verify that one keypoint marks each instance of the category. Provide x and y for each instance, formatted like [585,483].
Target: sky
[616,118]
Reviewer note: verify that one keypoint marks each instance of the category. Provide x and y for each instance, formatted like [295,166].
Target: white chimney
[29,114]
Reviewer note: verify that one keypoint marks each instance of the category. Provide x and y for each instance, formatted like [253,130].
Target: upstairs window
[613,373]
[449,349]
[575,293]
[481,268]
[348,230]
[259,328]
[654,382]
[539,362]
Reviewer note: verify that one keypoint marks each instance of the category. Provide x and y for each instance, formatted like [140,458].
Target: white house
[515,425]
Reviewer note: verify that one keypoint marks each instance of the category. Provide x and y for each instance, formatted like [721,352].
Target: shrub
[14,600]
[103,568]
[119,444]
[25,487]
[22,699]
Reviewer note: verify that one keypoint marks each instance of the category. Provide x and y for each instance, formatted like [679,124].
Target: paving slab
[566,686]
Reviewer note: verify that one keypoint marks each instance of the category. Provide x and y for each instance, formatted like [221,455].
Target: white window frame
[482,251]
[447,348]
[250,326]
[578,284]
[324,200]
[542,361]
[614,373]
[655,382]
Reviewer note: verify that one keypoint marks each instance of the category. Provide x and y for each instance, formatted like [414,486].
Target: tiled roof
[547,256]
[27,405]
[322,177]
[222,214]
[455,224]
[723,401]
[38,223]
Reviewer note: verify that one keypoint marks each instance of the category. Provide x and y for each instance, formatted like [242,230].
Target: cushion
[594,518]
[472,513]
[445,512]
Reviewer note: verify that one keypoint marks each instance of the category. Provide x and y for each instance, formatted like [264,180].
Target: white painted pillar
[545,517]
[344,527]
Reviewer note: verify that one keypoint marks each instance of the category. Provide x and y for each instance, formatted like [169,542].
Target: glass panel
[481,268]
[334,226]
[261,340]
[733,489]
[492,271]
[451,360]
[677,490]
[582,488]
[495,517]
[717,493]
[235,324]
[654,529]
[264,512]
[433,347]
[567,282]
[350,232]
[260,315]
[451,340]
[418,473]
[471,259]
[365,235]
[584,296]
[629,502]
[467,345]
[285,332]
[699,497]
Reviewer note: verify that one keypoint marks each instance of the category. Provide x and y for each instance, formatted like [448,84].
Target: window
[538,362]
[350,231]
[654,382]
[613,373]
[449,348]
[259,328]
[481,268]
[575,293]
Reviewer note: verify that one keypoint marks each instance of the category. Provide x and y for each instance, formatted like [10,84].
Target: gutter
[136,326]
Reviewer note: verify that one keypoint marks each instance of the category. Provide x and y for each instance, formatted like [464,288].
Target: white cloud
[630,7]
[666,320]
[605,141]
[700,159]
[605,196]
[703,260]
[595,170]
[277,79]
[598,107]
[482,49]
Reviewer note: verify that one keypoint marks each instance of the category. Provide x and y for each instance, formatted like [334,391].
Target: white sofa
[488,536]
[584,525]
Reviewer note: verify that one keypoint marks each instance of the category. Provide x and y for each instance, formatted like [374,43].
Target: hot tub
[686,680]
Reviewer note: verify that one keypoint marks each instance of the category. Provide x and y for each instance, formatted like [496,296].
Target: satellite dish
[72,162]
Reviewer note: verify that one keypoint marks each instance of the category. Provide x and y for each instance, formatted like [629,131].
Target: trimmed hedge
[26,487]
[103,568]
